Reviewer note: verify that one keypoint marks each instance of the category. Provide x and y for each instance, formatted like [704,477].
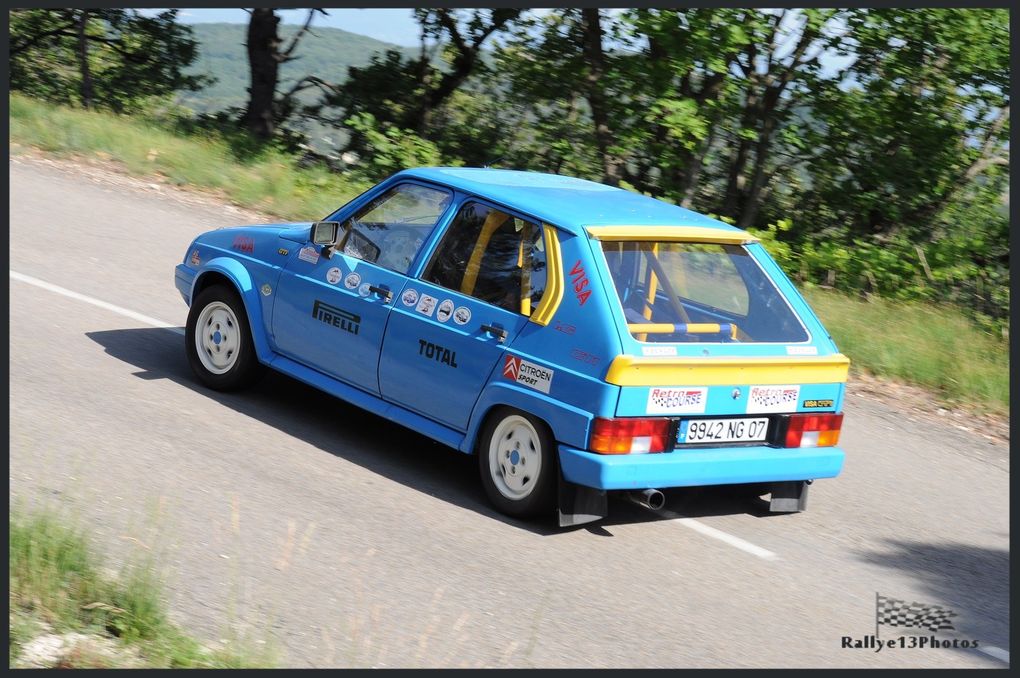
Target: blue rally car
[577,338]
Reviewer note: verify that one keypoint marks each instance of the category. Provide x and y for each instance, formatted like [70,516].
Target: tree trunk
[592,31]
[736,180]
[87,90]
[752,201]
[263,59]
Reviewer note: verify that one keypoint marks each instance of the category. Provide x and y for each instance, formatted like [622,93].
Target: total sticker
[684,400]
[333,275]
[773,398]
[462,316]
[352,280]
[409,297]
[444,311]
[426,304]
[308,254]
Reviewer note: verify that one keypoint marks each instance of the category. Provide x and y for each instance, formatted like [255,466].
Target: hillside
[324,52]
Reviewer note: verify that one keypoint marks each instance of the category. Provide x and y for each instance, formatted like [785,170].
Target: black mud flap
[579,504]
[789,497]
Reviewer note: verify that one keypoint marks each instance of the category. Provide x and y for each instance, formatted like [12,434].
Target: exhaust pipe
[652,500]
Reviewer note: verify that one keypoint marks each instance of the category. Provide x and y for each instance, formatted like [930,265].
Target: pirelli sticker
[531,375]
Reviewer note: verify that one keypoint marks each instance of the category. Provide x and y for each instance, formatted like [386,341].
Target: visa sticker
[801,350]
[658,350]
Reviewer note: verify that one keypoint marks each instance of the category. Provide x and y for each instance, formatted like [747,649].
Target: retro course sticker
[773,399]
[683,400]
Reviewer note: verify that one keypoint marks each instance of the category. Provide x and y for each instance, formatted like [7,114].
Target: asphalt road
[292,518]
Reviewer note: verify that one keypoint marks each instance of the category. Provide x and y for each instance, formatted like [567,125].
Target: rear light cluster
[633,435]
[630,436]
[813,430]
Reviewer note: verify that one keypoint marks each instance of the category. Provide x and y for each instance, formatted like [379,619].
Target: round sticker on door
[333,275]
[444,311]
[352,280]
[409,297]
[364,290]
[462,316]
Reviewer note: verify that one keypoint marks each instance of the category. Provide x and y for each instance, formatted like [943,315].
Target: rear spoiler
[628,370]
[705,234]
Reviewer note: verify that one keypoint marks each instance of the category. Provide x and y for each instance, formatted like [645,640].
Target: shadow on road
[376,444]
[973,581]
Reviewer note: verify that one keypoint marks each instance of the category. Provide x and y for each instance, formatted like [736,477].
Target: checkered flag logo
[893,612]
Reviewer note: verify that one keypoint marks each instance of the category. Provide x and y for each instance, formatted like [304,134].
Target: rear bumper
[684,468]
[183,279]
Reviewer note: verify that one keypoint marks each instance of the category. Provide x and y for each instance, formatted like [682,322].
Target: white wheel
[218,340]
[515,457]
[517,462]
[217,337]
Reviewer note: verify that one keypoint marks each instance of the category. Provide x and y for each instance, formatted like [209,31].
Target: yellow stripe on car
[671,234]
[627,370]
[554,281]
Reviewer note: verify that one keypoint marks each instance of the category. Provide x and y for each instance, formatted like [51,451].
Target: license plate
[749,430]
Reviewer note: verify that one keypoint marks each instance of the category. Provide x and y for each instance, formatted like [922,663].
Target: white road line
[724,537]
[997,652]
[96,302]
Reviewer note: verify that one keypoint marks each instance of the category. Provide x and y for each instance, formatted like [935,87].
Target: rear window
[698,292]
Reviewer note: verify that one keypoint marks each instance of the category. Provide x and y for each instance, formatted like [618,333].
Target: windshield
[697,292]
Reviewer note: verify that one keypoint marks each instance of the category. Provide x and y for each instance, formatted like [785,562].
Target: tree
[408,95]
[266,53]
[121,56]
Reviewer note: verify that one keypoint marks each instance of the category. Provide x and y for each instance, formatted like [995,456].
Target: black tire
[513,487]
[242,368]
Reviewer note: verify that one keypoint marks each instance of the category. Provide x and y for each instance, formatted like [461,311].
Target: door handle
[382,292]
[497,332]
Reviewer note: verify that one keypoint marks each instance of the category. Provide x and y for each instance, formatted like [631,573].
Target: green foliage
[391,149]
[55,578]
[131,57]
[267,180]
[927,344]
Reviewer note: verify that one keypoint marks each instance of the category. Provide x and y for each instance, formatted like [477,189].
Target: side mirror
[325,232]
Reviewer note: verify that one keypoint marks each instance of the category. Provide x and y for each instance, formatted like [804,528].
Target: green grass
[925,344]
[920,343]
[266,181]
[57,579]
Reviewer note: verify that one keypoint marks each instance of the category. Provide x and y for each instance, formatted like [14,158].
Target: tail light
[813,430]
[629,435]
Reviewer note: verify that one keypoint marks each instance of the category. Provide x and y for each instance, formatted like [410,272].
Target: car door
[331,311]
[451,326]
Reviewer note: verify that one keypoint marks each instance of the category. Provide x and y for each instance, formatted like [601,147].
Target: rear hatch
[714,336]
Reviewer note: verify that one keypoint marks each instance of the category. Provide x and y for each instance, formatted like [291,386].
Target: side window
[391,229]
[492,256]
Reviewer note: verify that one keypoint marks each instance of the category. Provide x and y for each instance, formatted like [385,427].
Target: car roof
[570,203]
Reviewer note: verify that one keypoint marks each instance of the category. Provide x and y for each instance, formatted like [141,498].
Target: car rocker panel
[612,341]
